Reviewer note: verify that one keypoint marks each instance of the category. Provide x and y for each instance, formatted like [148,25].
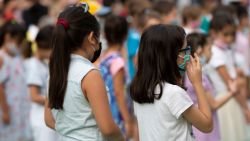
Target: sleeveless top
[76,121]
[105,66]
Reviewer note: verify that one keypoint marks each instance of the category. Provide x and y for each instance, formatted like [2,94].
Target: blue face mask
[245,31]
[182,66]
[203,60]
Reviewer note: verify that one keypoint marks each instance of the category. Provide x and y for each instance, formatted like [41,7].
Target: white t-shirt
[38,73]
[220,57]
[162,120]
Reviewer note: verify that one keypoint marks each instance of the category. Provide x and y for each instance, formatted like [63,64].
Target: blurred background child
[201,44]
[14,99]
[37,78]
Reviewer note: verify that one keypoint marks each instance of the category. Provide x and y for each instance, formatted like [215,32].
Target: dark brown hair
[64,42]
[157,61]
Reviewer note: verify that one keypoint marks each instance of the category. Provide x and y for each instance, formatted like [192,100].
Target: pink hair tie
[63,22]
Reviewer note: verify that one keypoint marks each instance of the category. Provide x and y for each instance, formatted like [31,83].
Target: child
[207,7]
[221,71]
[37,84]
[191,19]
[167,10]
[77,97]
[113,71]
[242,47]
[201,44]
[135,8]
[14,99]
[163,108]
[147,19]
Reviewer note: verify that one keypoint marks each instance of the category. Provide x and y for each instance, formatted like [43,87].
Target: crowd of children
[116,70]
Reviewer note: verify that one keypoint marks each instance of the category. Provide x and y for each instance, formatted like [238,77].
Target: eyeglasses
[186,50]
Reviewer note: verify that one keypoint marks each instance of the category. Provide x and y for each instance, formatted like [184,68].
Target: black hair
[26,49]
[116,29]
[15,30]
[240,10]
[108,2]
[196,40]
[43,38]
[222,9]
[157,61]
[5,2]
[64,42]
[220,20]
[164,7]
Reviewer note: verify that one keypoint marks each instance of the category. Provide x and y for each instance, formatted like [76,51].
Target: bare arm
[227,79]
[120,95]
[121,100]
[4,106]
[200,117]
[35,94]
[94,88]
[225,75]
[48,117]
[217,103]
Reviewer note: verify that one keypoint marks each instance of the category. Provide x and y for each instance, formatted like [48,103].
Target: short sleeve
[178,101]
[116,65]
[217,58]
[33,77]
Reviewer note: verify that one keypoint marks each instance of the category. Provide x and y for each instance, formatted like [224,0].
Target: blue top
[133,43]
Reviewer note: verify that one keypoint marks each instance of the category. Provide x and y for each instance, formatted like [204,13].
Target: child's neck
[240,28]
[38,56]
[7,52]
[115,47]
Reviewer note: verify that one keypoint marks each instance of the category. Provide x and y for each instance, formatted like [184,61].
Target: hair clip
[84,6]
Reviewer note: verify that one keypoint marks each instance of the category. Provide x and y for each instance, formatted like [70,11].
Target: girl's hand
[233,87]
[194,70]
[6,118]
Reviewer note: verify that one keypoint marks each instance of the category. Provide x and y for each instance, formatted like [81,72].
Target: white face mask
[12,48]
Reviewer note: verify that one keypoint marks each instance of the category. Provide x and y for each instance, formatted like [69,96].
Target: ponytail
[59,67]
[73,25]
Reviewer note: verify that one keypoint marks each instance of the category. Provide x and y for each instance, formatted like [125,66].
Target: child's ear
[199,50]
[91,38]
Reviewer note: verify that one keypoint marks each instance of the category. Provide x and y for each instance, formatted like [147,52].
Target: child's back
[163,120]
[77,112]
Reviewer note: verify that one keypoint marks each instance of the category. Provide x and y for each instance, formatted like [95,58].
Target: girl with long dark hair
[77,106]
[163,108]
